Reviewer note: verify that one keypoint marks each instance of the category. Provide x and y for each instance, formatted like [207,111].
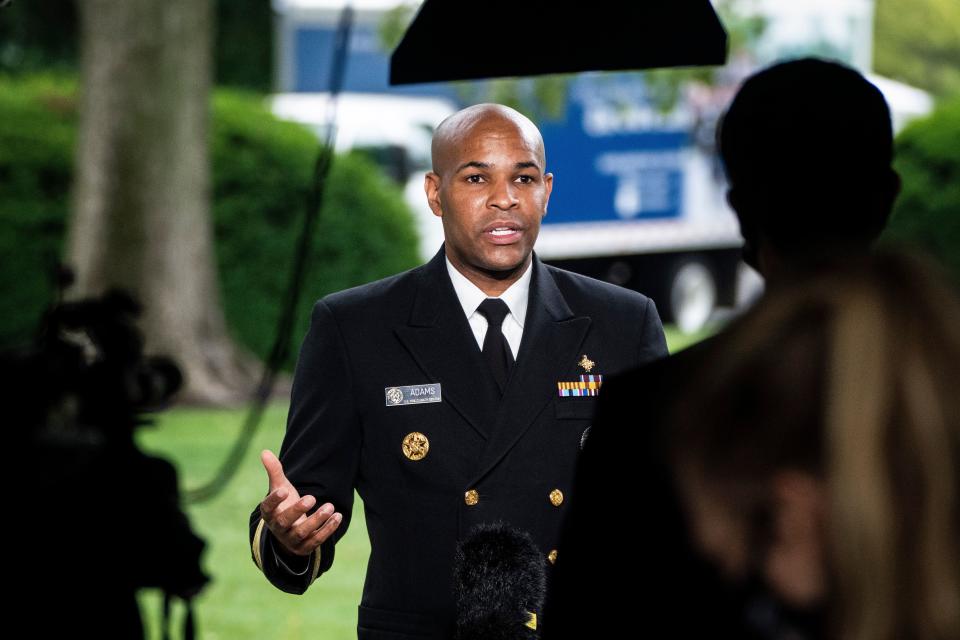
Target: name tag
[413,394]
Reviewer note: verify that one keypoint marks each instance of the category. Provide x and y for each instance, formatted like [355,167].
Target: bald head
[490,189]
[481,120]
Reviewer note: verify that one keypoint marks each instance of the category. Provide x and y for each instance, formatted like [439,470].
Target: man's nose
[503,195]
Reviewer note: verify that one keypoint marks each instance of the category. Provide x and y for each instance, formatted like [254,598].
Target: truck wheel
[693,295]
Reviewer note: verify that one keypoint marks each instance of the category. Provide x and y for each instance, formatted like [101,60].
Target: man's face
[490,192]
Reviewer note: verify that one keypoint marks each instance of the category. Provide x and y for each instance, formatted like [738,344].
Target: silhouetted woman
[820,461]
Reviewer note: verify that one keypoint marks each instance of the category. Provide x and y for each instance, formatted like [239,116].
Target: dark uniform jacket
[487,458]
[649,569]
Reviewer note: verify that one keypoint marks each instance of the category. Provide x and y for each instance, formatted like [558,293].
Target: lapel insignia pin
[415,446]
[587,363]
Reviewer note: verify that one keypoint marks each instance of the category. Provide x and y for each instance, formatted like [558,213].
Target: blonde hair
[854,377]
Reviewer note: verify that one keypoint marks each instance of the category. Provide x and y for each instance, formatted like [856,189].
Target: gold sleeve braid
[258,559]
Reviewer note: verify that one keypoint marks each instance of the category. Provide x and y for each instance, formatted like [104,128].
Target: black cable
[281,345]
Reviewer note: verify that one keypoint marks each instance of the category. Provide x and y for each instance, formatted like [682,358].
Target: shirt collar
[470,295]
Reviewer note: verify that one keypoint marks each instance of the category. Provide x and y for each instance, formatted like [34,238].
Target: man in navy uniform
[455,394]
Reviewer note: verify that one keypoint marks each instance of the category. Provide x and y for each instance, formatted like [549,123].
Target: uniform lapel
[552,337]
[440,341]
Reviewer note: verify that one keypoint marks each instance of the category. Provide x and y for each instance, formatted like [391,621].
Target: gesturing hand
[285,511]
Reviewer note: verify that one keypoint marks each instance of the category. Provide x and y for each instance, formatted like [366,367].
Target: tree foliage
[927,214]
[243,47]
[38,35]
[918,42]
[744,28]
[43,35]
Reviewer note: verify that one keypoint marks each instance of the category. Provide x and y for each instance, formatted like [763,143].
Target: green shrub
[262,170]
[927,214]
[261,175]
[37,133]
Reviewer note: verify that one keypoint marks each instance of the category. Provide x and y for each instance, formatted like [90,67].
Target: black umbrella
[456,41]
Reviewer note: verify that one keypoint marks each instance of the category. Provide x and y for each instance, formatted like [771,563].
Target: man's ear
[548,185]
[880,204]
[893,184]
[431,186]
[896,183]
[751,243]
[795,562]
[741,205]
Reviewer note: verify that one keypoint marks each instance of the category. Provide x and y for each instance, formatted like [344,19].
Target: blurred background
[168,147]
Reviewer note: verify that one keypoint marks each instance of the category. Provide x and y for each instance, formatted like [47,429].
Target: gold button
[471,497]
[552,556]
[415,446]
[556,497]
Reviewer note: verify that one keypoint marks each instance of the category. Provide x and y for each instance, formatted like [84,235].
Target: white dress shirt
[515,297]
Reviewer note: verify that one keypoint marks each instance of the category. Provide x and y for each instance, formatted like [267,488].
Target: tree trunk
[141,211]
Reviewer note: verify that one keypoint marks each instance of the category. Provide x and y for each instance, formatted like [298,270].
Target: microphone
[500,581]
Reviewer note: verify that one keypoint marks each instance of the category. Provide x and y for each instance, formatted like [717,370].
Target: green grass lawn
[676,340]
[239,603]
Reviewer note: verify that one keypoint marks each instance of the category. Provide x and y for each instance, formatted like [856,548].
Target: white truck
[639,195]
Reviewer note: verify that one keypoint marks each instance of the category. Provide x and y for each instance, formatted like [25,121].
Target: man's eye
[524,179]
[475,178]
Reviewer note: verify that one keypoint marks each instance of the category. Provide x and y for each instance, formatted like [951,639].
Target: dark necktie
[496,349]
